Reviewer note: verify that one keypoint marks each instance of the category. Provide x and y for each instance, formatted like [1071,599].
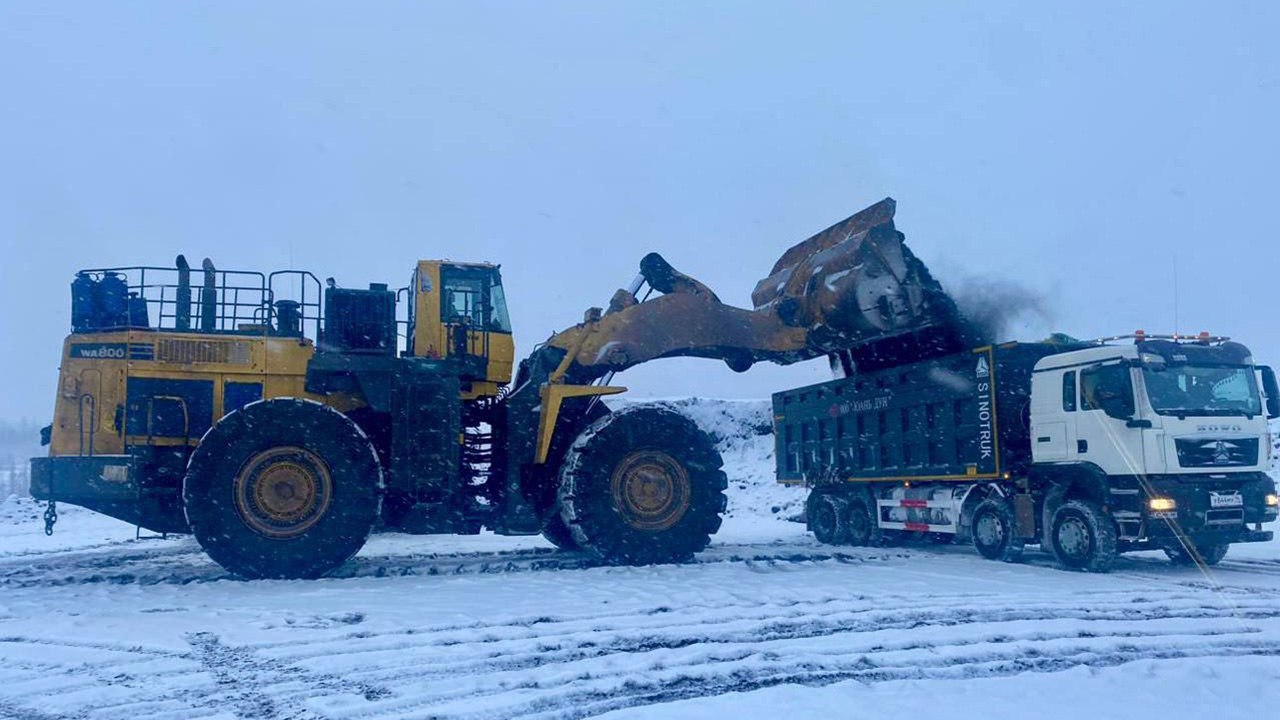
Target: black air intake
[360,321]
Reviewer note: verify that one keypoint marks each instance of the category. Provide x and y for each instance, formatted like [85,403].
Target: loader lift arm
[848,287]
[851,287]
[852,290]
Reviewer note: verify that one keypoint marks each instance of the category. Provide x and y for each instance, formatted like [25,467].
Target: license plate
[1221,500]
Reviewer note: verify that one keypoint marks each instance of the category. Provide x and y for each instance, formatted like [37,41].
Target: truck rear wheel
[861,518]
[1210,554]
[829,518]
[642,485]
[994,531]
[284,488]
[1083,537]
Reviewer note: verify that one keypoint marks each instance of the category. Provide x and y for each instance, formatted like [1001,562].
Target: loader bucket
[853,283]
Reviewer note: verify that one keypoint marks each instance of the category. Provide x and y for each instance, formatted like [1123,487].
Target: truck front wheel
[1083,537]
[642,485]
[285,488]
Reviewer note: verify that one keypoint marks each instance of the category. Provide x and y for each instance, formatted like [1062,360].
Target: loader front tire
[559,534]
[284,488]
[642,485]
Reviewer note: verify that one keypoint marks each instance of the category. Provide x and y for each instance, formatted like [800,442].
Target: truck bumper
[1197,517]
[142,488]
[1164,535]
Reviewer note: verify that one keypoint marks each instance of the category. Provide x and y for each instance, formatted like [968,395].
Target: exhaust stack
[209,297]
[182,302]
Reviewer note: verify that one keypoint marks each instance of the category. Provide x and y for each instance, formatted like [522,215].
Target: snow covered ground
[97,624]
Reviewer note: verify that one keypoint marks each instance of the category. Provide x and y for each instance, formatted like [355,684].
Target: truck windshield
[1203,390]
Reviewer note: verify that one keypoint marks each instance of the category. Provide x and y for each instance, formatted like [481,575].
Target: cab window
[1069,391]
[473,296]
[463,301]
[500,322]
[1108,388]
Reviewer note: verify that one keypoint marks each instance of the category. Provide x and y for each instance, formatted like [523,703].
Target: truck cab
[1172,431]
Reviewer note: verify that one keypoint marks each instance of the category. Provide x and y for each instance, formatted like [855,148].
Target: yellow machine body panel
[164,389]
[459,310]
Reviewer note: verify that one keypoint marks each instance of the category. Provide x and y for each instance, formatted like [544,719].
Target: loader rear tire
[642,485]
[284,488]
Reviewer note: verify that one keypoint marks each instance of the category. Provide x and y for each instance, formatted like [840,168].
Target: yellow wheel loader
[280,419]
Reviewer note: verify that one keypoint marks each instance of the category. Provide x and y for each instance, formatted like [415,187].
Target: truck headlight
[1162,504]
[1273,500]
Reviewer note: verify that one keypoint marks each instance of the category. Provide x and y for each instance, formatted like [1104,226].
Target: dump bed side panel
[957,418]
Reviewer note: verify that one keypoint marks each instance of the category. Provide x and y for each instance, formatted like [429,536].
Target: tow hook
[50,517]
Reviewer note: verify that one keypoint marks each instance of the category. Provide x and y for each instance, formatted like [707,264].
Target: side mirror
[1272,391]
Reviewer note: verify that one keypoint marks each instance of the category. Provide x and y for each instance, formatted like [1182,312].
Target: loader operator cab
[459,311]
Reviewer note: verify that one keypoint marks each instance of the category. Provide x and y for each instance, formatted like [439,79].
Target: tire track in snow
[726,660]
[500,659]
[252,686]
[10,711]
[748,669]
[243,679]
[181,561]
[580,665]
[283,681]
[645,693]
[597,643]
[1252,566]
[188,564]
[744,652]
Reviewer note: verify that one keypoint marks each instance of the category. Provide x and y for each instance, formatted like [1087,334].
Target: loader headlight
[1162,504]
[1273,500]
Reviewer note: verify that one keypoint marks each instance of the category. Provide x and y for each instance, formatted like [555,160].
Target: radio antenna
[1175,293]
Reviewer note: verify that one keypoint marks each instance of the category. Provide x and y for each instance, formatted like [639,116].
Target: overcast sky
[1083,149]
